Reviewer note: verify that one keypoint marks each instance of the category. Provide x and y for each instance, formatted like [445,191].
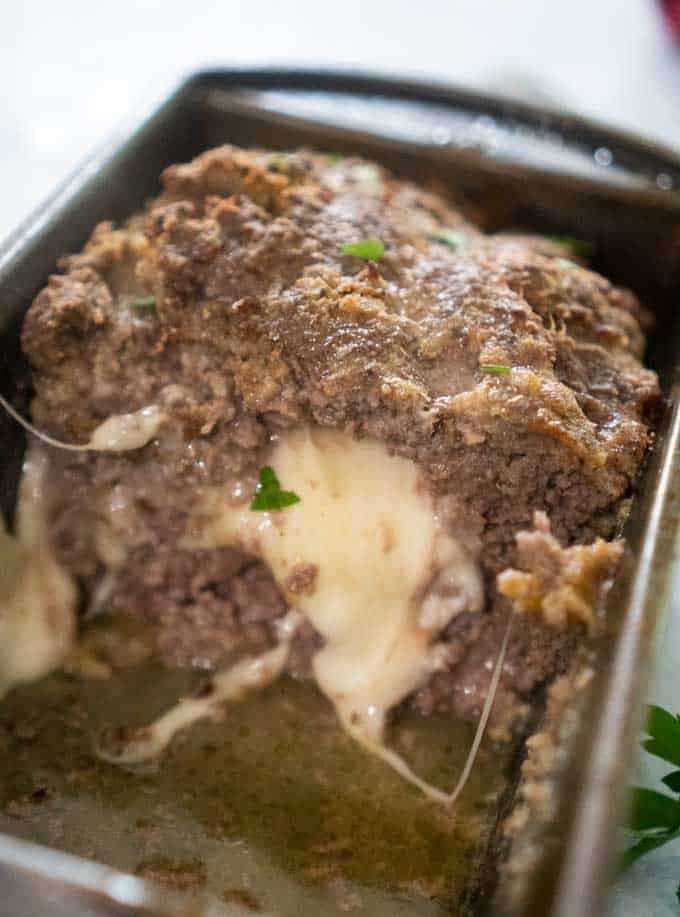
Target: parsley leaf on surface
[451,237]
[646,845]
[268,494]
[574,246]
[672,781]
[369,249]
[653,811]
[144,303]
[494,369]
[655,817]
[664,728]
[566,264]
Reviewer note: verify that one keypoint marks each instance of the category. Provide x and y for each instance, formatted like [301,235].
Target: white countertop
[72,69]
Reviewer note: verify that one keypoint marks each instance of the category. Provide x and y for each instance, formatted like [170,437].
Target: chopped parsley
[451,237]
[495,369]
[369,249]
[367,173]
[144,303]
[578,247]
[268,493]
[335,157]
[655,817]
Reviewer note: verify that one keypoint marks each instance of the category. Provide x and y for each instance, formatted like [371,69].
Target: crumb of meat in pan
[537,797]
[561,585]
[445,385]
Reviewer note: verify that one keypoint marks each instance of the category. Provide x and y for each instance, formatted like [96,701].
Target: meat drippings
[37,597]
[130,746]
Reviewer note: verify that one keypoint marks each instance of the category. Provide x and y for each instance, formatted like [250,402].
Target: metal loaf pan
[521,167]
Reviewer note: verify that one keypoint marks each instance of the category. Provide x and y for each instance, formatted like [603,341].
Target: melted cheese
[118,433]
[381,578]
[37,597]
[367,523]
[124,432]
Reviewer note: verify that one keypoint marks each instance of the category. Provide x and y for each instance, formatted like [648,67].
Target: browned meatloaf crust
[261,324]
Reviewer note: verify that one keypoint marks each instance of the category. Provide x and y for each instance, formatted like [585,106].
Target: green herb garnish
[566,263]
[268,493]
[366,172]
[450,237]
[335,157]
[655,817]
[578,247]
[495,369]
[144,303]
[369,249]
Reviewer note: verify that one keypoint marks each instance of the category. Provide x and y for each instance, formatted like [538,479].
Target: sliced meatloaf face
[424,406]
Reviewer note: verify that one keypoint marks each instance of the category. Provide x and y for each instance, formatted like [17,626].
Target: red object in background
[671,10]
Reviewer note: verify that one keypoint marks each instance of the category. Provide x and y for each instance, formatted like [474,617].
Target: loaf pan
[522,167]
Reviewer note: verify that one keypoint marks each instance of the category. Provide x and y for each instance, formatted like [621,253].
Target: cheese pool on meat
[367,525]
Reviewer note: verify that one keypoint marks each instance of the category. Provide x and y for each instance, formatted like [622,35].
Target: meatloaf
[492,379]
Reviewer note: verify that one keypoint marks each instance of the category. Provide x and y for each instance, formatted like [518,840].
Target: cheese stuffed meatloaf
[328,426]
